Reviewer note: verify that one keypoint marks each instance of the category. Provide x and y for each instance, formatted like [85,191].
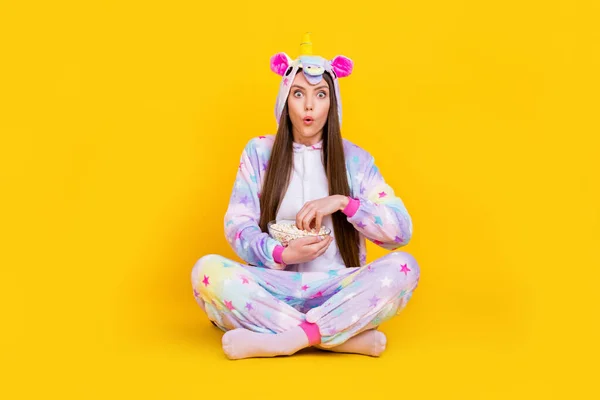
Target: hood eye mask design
[313,67]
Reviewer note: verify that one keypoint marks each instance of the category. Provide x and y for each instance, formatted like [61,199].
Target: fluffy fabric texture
[280,63]
[342,66]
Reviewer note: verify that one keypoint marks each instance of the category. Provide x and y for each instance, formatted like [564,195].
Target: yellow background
[122,124]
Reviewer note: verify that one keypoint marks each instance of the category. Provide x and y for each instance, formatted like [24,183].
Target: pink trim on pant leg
[312,332]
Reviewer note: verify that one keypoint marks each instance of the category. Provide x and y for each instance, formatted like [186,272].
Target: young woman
[314,292]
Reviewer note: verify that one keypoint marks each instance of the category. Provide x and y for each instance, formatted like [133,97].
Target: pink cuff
[312,332]
[352,207]
[277,254]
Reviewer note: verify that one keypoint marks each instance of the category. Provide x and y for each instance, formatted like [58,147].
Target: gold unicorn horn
[306,45]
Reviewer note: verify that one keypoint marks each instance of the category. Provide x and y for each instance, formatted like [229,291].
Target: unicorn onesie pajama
[330,301]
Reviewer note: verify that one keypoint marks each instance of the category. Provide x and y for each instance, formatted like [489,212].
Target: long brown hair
[279,172]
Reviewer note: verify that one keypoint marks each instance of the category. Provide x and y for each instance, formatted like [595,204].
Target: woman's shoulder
[355,153]
[260,145]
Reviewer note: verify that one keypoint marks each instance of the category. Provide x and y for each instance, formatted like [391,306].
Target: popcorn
[285,231]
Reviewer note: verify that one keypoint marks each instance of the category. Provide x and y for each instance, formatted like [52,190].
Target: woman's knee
[205,265]
[403,262]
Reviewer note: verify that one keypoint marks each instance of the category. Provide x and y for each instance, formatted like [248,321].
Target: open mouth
[308,120]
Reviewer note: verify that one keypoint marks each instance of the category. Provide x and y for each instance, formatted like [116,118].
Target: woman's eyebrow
[303,88]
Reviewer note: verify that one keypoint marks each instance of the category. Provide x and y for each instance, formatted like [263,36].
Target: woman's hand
[317,209]
[305,249]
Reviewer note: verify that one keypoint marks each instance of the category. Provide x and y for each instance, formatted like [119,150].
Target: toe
[227,344]
[383,342]
[380,344]
[311,316]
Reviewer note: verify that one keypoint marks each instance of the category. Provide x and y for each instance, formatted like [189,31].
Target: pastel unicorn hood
[313,67]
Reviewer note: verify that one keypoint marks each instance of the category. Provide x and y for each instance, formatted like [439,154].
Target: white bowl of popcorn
[286,230]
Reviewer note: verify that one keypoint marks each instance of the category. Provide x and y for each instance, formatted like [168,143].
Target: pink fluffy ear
[342,66]
[280,63]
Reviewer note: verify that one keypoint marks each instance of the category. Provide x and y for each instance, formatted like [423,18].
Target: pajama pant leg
[343,302]
[365,298]
[235,295]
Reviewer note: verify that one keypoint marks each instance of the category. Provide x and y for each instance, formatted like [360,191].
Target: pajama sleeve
[377,212]
[241,220]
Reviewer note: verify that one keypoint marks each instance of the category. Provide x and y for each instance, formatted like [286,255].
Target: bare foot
[243,343]
[369,343]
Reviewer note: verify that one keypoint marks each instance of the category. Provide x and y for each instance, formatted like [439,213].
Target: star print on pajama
[343,300]
[380,217]
[342,303]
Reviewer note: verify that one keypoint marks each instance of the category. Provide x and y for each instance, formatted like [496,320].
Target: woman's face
[306,102]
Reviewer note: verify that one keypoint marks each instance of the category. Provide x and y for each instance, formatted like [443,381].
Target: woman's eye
[321,95]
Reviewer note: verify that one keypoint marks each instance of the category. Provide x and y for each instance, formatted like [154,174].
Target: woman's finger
[307,219]
[325,246]
[308,240]
[322,244]
[300,216]
[319,220]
